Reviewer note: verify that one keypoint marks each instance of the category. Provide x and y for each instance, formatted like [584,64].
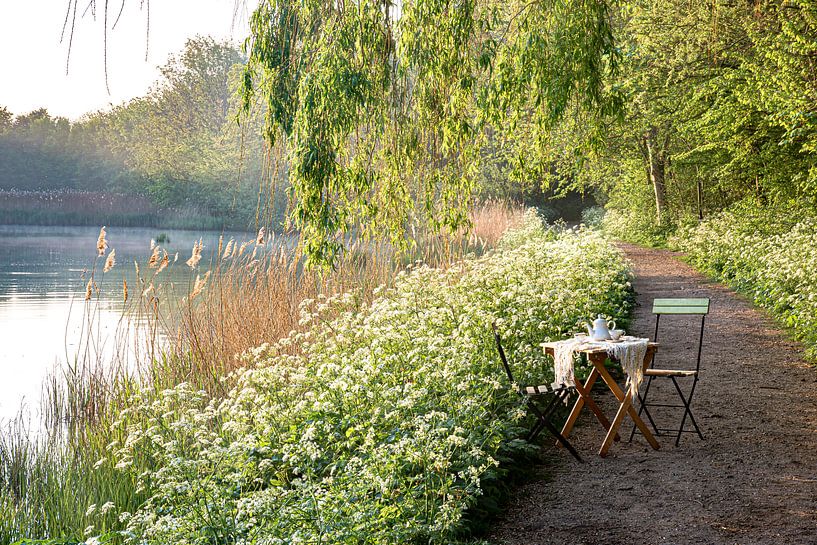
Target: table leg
[577,407]
[585,398]
[626,405]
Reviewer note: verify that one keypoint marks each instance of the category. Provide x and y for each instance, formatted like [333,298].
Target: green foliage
[381,423]
[378,107]
[719,106]
[768,253]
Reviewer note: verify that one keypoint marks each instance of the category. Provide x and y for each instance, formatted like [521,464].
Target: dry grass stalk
[124,290]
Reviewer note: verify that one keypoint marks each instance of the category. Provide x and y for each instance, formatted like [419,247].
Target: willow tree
[382,109]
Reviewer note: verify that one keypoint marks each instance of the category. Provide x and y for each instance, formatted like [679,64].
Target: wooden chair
[675,307]
[532,394]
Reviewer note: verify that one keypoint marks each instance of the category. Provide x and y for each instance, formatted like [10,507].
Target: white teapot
[600,330]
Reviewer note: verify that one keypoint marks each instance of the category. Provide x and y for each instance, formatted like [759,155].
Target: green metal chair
[675,307]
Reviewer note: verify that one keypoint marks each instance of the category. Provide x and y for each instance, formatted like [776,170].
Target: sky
[33,61]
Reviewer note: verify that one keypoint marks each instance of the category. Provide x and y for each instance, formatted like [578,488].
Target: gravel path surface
[753,480]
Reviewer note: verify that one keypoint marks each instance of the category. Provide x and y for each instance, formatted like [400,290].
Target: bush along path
[375,424]
[752,480]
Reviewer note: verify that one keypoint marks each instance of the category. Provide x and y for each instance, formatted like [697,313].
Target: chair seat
[542,389]
[670,373]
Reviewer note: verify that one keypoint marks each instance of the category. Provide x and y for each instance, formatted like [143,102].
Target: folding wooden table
[597,355]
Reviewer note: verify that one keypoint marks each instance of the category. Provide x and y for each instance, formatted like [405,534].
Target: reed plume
[163,263]
[110,262]
[154,257]
[195,257]
[198,287]
[101,242]
[89,289]
[228,250]
[124,291]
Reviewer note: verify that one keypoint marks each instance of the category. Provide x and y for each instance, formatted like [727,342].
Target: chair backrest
[682,307]
[502,353]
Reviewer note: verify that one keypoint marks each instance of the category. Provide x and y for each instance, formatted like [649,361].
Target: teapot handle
[611,324]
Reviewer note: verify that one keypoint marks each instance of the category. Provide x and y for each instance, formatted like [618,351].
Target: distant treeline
[177,156]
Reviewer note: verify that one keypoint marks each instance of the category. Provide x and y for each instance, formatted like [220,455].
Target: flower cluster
[768,255]
[380,423]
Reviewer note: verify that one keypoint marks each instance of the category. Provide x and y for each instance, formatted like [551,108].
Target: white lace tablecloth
[629,352]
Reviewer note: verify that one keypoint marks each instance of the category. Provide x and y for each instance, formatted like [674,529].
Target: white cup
[616,334]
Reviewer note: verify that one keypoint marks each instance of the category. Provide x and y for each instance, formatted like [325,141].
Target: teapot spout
[589,329]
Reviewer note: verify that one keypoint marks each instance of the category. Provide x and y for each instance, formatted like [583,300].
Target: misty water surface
[43,274]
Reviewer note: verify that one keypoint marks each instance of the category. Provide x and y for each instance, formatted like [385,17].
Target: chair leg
[540,418]
[561,438]
[687,411]
[544,423]
[535,430]
[542,414]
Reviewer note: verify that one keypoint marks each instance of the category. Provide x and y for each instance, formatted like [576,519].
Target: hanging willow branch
[383,108]
[71,15]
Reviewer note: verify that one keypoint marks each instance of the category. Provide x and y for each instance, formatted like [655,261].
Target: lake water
[43,275]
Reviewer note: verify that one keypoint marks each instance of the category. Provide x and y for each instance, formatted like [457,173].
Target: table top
[594,347]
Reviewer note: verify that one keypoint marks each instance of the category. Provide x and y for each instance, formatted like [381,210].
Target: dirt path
[753,480]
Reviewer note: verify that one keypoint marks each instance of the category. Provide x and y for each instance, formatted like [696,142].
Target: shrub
[635,226]
[593,216]
[765,253]
[376,423]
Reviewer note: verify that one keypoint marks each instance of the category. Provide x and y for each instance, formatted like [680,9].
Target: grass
[50,476]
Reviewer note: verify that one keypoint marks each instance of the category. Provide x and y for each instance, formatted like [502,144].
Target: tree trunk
[656,172]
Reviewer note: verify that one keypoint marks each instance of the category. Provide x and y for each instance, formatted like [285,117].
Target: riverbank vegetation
[393,397]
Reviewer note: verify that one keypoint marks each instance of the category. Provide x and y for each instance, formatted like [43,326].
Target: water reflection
[43,276]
